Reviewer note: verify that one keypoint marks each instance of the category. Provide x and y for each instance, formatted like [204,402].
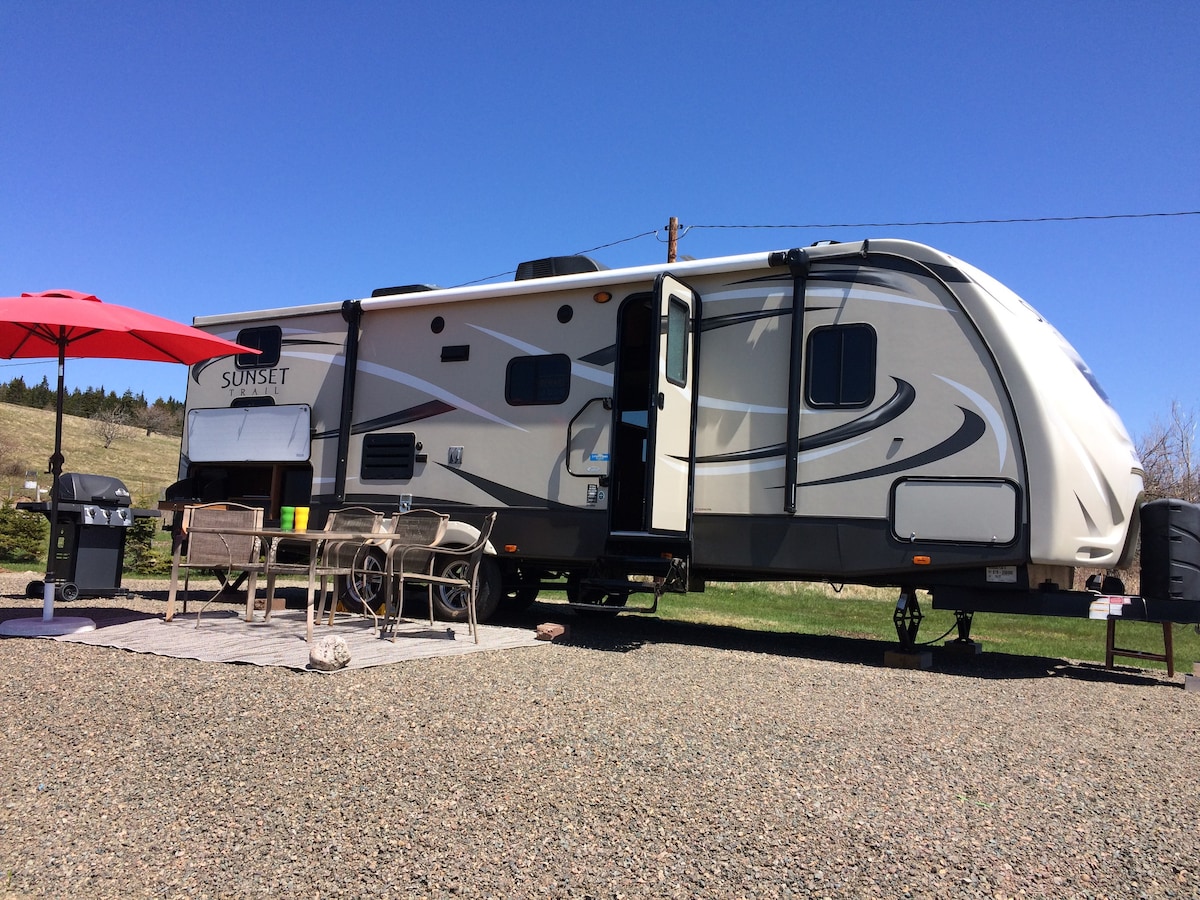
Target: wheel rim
[453,598]
[365,586]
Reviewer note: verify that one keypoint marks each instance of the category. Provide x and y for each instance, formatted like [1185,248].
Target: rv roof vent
[403,289]
[557,265]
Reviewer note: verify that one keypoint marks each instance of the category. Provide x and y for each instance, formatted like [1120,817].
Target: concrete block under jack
[903,659]
[963,648]
[1191,683]
[552,631]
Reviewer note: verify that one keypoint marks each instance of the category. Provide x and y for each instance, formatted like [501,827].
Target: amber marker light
[510,548]
[921,560]
[602,296]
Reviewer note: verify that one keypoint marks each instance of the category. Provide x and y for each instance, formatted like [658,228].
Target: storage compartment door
[955,511]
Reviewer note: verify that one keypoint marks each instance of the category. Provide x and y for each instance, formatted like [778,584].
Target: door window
[677,342]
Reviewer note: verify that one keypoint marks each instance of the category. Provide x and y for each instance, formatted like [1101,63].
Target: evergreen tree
[41,397]
[17,392]
[23,535]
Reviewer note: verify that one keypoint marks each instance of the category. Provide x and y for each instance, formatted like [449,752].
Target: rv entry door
[654,412]
[672,408]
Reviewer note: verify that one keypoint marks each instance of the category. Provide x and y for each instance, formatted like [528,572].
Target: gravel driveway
[641,759]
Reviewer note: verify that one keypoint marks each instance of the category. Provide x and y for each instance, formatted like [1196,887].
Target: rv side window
[841,366]
[268,339]
[677,335]
[538,380]
[388,457]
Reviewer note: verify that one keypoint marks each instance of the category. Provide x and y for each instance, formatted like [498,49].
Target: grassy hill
[147,464]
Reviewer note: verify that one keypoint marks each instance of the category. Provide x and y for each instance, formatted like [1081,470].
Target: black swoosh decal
[785,280]
[742,317]
[852,270]
[897,404]
[505,494]
[287,342]
[971,430]
[602,357]
[199,367]
[402,417]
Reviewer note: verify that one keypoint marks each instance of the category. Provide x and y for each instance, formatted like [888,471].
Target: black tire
[35,589]
[522,593]
[68,591]
[364,589]
[450,604]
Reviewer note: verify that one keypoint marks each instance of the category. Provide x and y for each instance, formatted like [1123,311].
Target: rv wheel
[364,589]
[521,593]
[451,603]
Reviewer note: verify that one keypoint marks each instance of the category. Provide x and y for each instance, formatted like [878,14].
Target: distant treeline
[133,408]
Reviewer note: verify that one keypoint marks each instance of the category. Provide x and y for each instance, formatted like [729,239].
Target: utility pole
[672,238]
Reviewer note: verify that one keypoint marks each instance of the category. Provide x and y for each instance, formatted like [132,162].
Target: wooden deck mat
[223,636]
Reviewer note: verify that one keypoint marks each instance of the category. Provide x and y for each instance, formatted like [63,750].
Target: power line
[1155,215]
[577,253]
[621,241]
[684,229]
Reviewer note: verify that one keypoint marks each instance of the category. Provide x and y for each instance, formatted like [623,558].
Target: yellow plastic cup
[301,518]
[287,517]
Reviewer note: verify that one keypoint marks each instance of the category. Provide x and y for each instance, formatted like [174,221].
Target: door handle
[661,399]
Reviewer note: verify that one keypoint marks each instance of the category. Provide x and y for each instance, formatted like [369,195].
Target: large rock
[329,654]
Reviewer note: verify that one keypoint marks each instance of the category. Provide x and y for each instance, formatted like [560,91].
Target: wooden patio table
[316,538]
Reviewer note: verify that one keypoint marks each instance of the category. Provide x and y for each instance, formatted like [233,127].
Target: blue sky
[209,157]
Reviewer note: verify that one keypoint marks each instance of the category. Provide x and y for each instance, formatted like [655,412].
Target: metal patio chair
[216,549]
[415,534]
[457,570]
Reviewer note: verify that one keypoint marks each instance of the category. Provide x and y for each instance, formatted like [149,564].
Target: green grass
[866,613]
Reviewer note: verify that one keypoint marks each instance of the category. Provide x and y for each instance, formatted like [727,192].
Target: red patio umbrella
[65,324]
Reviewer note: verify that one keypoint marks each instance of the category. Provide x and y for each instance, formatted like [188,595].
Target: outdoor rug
[223,636]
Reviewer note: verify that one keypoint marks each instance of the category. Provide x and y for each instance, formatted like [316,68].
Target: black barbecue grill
[94,513]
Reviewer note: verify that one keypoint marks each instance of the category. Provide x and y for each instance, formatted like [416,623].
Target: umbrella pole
[56,461]
[49,624]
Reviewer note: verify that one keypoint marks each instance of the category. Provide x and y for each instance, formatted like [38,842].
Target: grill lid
[80,488]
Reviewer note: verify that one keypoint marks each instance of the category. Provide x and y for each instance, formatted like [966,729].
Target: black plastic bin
[94,515]
[1170,550]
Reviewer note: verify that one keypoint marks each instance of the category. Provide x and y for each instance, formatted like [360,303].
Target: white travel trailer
[874,412]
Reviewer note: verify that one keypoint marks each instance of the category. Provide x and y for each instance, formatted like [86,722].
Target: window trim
[261,360]
[538,360]
[841,329]
[675,304]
